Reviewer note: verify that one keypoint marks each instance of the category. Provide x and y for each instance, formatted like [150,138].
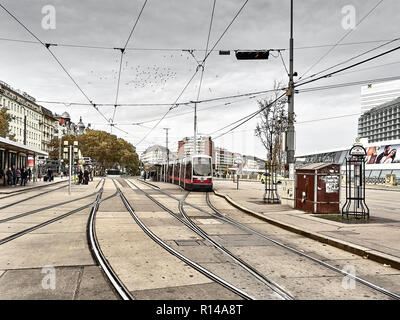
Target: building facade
[154,155]
[26,116]
[381,123]
[376,94]
[382,159]
[186,147]
[32,124]
[223,160]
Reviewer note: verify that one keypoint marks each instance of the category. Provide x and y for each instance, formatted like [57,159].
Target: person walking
[29,174]
[10,177]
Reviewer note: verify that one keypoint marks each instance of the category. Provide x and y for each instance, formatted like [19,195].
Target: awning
[20,148]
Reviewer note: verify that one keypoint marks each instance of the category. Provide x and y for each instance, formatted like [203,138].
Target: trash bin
[318,188]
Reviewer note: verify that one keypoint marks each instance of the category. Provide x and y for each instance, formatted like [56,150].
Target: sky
[156,68]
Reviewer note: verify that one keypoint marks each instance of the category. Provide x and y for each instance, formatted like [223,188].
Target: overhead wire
[47,46]
[205,58]
[350,59]
[122,57]
[341,39]
[348,67]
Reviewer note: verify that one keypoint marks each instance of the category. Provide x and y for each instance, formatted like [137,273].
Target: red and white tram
[192,173]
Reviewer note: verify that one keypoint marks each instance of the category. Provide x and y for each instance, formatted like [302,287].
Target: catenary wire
[122,58]
[341,39]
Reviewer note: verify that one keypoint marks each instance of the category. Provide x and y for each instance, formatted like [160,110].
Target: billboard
[383,154]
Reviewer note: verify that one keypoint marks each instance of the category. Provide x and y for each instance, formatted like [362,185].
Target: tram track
[11,194]
[28,198]
[47,222]
[280,292]
[217,214]
[98,254]
[175,253]
[90,226]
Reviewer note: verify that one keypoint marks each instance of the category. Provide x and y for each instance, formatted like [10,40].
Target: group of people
[18,176]
[85,176]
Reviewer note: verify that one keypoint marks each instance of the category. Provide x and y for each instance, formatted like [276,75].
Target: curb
[347,246]
[30,188]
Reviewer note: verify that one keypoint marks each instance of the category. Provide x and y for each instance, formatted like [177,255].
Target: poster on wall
[383,154]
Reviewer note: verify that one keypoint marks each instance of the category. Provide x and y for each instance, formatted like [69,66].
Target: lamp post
[69,152]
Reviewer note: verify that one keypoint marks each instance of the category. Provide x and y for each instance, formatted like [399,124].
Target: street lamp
[68,150]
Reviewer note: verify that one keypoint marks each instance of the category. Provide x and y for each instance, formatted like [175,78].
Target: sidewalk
[378,240]
[30,185]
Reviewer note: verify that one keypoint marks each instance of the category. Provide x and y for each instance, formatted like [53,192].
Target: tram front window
[202,167]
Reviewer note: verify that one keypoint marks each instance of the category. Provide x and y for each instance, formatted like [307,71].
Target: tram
[192,173]
[113,173]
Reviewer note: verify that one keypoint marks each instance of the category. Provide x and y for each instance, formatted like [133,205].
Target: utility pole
[166,144]
[195,130]
[290,94]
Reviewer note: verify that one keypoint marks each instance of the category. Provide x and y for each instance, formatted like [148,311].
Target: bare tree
[273,123]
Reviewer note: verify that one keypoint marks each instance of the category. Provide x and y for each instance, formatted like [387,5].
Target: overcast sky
[158,76]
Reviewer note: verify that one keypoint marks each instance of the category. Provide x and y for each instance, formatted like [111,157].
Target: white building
[154,155]
[186,147]
[376,94]
[26,116]
[223,160]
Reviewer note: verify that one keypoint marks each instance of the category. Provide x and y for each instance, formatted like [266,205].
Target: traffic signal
[252,55]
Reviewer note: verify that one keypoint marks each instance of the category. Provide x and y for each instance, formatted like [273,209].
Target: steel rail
[175,253]
[273,286]
[18,192]
[187,224]
[43,224]
[223,217]
[29,198]
[97,253]
[327,265]
[21,215]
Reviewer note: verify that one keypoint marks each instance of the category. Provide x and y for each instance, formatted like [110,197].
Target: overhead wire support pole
[167,151]
[290,93]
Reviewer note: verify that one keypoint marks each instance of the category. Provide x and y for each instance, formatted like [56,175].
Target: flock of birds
[148,76]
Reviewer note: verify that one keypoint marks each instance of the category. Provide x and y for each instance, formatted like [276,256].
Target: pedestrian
[24,176]
[91,174]
[9,177]
[18,176]
[86,176]
[80,176]
[49,175]
[14,173]
[29,174]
